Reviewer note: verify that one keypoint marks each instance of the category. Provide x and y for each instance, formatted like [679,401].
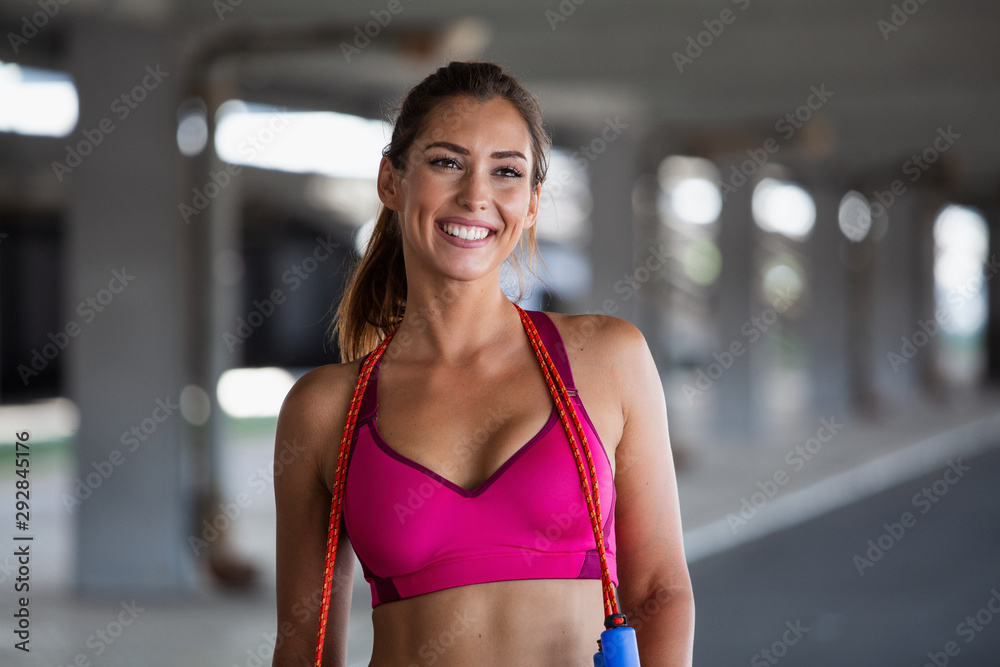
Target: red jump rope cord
[563,404]
[338,491]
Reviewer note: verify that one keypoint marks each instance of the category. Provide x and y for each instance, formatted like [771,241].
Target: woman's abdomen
[526,622]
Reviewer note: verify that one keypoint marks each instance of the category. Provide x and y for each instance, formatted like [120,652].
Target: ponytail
[374,301]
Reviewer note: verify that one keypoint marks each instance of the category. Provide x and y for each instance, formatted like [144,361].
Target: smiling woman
[491,511]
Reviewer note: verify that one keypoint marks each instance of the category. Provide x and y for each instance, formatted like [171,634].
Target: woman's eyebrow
[499,155]
[503,155]
[455,148]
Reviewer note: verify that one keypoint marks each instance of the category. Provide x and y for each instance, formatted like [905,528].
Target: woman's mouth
[470,233]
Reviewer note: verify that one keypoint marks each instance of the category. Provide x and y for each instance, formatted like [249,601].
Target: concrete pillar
[896,288]
[859,258]
[653,245]
[732,404]
[125,245]
[992,213]
[214,286]
[653,251]
[826,321]
[612,245]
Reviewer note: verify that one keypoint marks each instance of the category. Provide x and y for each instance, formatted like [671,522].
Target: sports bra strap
[546,330]
[553,345]
[369,404]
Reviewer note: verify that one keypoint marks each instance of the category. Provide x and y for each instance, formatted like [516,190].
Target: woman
[463,502]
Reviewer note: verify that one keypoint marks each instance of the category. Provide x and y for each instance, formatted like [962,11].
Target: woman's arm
[655,591]
[309,432]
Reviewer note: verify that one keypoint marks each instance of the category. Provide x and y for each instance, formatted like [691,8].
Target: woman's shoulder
[603,336]
[320,398]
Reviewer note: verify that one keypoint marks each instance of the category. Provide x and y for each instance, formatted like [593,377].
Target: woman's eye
[509,172]
[445,162]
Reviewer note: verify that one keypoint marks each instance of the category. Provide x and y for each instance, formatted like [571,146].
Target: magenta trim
[591,568]
[466,493]
[579,404]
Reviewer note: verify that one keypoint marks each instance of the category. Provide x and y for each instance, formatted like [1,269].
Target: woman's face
[464,195]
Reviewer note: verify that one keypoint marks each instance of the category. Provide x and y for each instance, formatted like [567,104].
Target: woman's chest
[467,425]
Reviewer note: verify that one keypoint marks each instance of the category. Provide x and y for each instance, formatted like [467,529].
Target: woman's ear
[532,216]
[388,185]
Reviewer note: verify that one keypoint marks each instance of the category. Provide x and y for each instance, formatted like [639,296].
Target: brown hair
[375,298]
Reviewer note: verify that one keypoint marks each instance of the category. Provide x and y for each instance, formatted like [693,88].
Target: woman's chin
[467,272]
[462,265]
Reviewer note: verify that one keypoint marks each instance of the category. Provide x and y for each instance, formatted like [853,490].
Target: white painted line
[836,491]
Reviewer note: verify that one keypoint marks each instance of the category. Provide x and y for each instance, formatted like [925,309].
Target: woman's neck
[454,321]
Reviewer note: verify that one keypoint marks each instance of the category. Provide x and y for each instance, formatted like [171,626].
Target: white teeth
[468,233]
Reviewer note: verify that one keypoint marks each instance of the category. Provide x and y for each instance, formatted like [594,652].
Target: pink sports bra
[416,532]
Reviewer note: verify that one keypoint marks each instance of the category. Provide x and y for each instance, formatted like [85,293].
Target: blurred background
[797,203]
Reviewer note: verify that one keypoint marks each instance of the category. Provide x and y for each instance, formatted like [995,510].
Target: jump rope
[617,646]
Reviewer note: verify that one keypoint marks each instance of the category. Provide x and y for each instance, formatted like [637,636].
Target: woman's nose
[474,193]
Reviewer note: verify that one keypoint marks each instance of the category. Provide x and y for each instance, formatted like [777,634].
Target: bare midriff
[526,622]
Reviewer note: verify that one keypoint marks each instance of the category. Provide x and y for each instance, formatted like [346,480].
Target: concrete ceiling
[588,61]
